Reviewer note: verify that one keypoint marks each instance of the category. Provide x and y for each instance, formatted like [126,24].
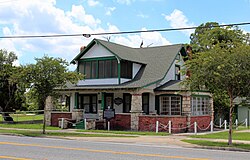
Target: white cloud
[109,11]
[43,17]
[93,3]
[127,2]
[178,20]
[142,15]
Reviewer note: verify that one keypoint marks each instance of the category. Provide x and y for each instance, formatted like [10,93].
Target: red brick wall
[202,121]
[55,117]
[121,122]
[148,123]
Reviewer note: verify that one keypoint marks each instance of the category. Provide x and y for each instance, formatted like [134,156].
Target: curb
[222,148]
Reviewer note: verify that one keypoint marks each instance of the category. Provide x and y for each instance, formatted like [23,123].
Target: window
[177,72]
[170,105]
[127,102]
[88,103]
[200,105]
[99,68]
[145,103]
[126,69]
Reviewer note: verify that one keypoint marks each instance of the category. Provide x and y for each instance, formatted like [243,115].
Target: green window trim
[97,59]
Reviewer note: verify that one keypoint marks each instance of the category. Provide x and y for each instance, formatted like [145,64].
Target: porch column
[186,109]
[136,110]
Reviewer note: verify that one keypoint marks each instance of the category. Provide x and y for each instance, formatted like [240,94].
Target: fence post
[157,127]
[220,122]
[236,124]
[169,127]
[225,124]
[108,125]
[195,127]
[212,126]
[246,122]
[85,124]
[62,122]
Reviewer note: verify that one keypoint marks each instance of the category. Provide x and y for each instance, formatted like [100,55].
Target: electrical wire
[87,35]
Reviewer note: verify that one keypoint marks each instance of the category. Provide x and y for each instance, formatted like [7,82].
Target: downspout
[119,70]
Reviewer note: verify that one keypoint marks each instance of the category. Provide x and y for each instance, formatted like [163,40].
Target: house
[242,109]
[143,85]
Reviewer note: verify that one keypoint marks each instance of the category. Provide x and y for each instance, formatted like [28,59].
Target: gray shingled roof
[156,62]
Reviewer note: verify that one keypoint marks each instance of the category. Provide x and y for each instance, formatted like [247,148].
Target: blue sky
[40,17]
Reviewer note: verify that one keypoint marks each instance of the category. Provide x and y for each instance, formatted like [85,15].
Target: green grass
[127,132]
[58,134]
[24,117]
[28,126]
[217,144]
[224,135]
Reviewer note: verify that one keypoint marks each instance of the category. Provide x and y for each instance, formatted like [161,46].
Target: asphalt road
[29,148]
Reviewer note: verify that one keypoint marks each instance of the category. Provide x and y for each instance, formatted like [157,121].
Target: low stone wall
[202,121]
[121,122]
[148,123]
[56,115]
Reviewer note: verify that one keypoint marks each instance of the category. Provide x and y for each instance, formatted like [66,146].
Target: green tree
[224,68]
[11,92]
[206,36]
[45,76]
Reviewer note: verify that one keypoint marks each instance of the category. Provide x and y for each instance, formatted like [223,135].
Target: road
[30,148]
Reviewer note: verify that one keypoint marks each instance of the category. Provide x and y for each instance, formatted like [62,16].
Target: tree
[224,68]
[209,34]
[45,76]
[11,92]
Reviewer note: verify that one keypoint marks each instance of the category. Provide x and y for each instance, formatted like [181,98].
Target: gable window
[126,69]
[93,69]
[177,72]
[127,102]
[88,103]
[170,105]
[200,105]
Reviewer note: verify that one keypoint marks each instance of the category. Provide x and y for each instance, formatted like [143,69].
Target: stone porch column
[136,110]
[186,108]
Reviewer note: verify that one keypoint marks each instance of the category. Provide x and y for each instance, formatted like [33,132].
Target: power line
[87,35]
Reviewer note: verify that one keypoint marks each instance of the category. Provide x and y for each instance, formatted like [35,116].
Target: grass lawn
[224,135]
[28,126]
[127,132]
[59,134]
[24,117]
[217,144]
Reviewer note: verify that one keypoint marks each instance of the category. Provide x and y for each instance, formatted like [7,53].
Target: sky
[43,17]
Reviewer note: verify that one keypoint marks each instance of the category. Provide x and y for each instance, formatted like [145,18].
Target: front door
[109,100]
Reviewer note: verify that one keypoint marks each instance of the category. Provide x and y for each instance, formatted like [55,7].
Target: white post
[236,124]
[212,126]
[108,125]
[225,124]
[169,127]
[195,127]
[220,122]
[85,124]
[246,122]
[62,122]
[157,127]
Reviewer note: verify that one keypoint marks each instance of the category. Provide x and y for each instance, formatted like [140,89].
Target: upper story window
[93,69]
[126,69]
[177,72]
